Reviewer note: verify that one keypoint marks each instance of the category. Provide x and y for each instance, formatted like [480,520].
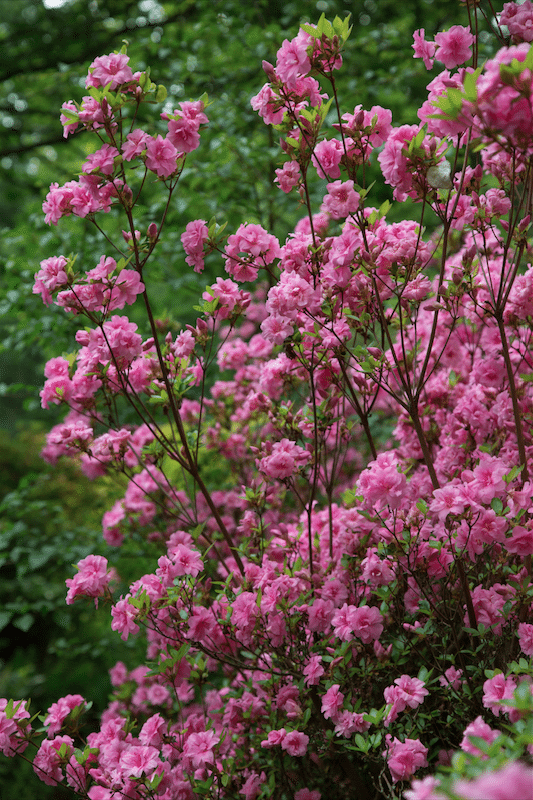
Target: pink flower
[327,157]
[274,738]
[139,760]
[193,240]
[161,156]
[364,622]
[198,750]
[350,722]
[314,671]
[525,636]
[102,160]
[382,483]
[496,690]
[453,46]
[295,743]
[307,794]
[153,730]
[341,199]
[111,69]
[424,789]
[251,788]
[91,580]
[411,690]
[332,702]
[135,144]
[58,712]
[11,736]
[288,176]
[515,780]
[404,758]
[187,560]
[124,614]
[292,59]
[47,762]
[478,728]
[521,541]
[452,677]
[423,49]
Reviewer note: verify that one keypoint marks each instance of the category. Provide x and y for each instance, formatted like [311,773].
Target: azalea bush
[331,466]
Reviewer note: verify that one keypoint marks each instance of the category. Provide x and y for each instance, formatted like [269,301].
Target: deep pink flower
[453,46]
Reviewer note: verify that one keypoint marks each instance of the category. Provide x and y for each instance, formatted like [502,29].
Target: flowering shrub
[347,601]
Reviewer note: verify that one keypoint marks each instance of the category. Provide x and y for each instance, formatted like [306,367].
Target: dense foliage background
[51,518]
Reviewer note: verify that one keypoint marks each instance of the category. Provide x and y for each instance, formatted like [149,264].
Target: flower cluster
[342,593]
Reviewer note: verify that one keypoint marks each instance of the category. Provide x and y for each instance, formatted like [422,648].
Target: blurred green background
[50,517]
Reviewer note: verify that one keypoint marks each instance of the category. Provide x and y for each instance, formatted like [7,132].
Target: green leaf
[5,618]
[24,622]
[510,476]
[422,506]
[161,94]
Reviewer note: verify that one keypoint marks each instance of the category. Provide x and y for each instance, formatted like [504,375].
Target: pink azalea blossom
[161,156]
[295,743]
[423,49]
[404,758]
[453,46]
[112,69]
